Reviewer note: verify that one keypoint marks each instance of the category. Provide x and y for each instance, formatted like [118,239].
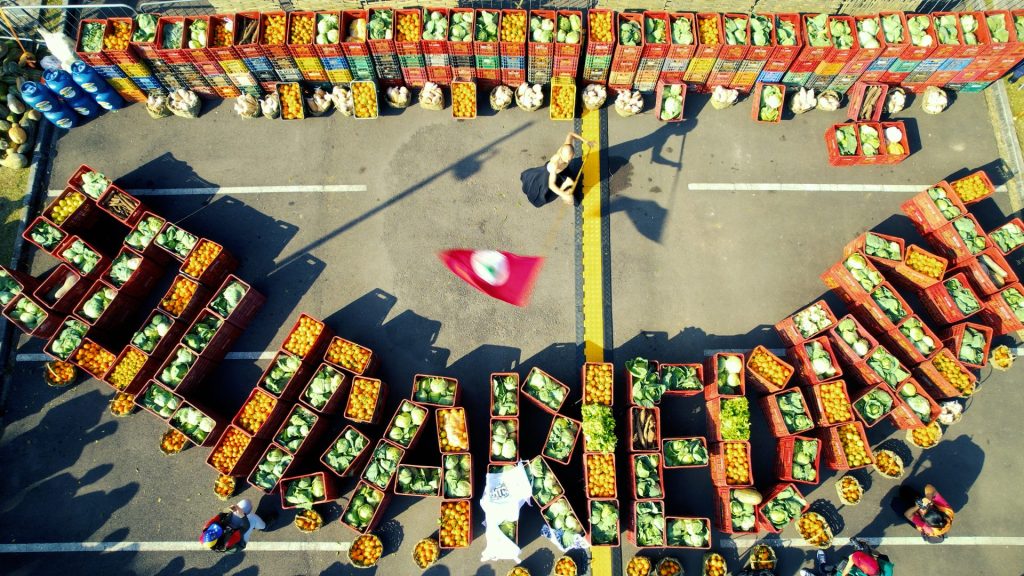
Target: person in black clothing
[557,178]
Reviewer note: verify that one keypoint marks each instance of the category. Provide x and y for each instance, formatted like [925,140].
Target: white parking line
[257,546]
[236,190]
[789,187]
[266,355]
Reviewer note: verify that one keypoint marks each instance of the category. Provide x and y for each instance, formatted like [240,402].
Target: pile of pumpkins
[19,123]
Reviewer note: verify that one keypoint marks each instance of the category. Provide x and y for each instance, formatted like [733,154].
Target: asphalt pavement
[718,228]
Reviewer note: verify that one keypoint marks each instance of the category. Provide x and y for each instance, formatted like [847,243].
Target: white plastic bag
[504,494]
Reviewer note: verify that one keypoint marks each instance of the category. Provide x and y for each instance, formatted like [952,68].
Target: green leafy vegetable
[285,366]
[145,28]
[69,338]
[544,389]
[487,26]
[914,329]
[972,237]
[149,336]
[418,480]
[647,472]
[83,258]
[689,532]
[846,139]
[671,101]
[176,240]
[842,35]
[296,429]
[561,438]
[785,32]
[677,378]
[503,440]
[760,30]
[918,403]
[435,27]
[650,524]
[172,35]
[873,405]
[882,248]
[305,491]
[889,303]
[851,333]
[783,508]
[812,320]
[362,507]
[656,29]
[506,396]
[869,140]
[380,26]
[9,288]
[867,33]
[271,468]
[1015,300]
[969,26]
[887,367]
[863,272]
[736,30]
[543,483]
[564,522]
[997,28]
[122,269]
[770,107]
[946,29]
[175,372]
[144,232]
[345,450]
[323,385]
[1008,236]
[28,314]
[92,36]
[96,304]
[918,26]
[194,424]
[805,453]
[406,423]
[972,346]
[682,31]
[435,390]
[604,522]
[735,417]
[227,299]
[822,363]
[629,34]
[892,26]
[685,452]
[647,386]
[741,513]
[730,374]
[964,298]
[946,206]
[383,464]
[817,33]
[598,428]
[162,402]
[458,476]
[327,28]
[794,412]
[45,235]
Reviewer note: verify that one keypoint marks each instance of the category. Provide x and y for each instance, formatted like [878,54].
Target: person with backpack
[928,512]
[229,531]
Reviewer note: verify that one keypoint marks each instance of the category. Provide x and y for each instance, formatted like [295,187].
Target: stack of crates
[278,54]
[911,57]
[703,61]
[731,56]
[228,57]
[807,61]
[513,54]
[677,59]
[461,53]
[540,61]
[332,57]
[837,58]
[435,52]
[921,76]
[754,60]
[356,53]
[133,66]
[487,55]
[567,56]
[652,58]
[782,57]
[206,64]
[1000,58]
[859,62]
[161,69]
[248,30]
[304,54]
[598,59]
[179,60]
[384,54]
[103,66]
[410,50]
[626,59]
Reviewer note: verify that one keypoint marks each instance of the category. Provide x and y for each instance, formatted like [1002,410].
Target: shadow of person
[647,216]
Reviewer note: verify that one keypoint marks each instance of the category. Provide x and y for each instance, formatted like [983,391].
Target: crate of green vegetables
[913,340]
[83,257]
[420,481]
[961,239]
[735,510]
[933,208]
[1004,312]
[382,466]
[689,452]
[457,476]
[142,236]
[882,250]
[544,485]
[787,413]
[305,491]
[14,282]
[798,459]
[132,273]
[504,394]
[88,181]
[562,519]
[682,379]
[1009,236]
[816,360]
[806,324]
[691,533]
[561,440]
[31,317]
[67,339]
[988,272]
[301,429]
[724,376]
[158,400]
[647,524]
[841,144]
[236,301]
[439,391]
[604,522]
[158,334]
[365,508]
[44,234]
[62,289]
[347,453]
[196,425]
[209,336]
[407,424]
[970,342]
[915,408]
[544,390]
[647,476]
[272,465]
[783,505]
[951,300]
[284,376]
[176,242]
[326,390]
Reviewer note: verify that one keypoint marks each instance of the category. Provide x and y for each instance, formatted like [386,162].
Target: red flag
[502,275]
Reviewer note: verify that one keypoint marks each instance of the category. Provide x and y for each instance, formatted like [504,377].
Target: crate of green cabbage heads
[691,533]
[883,310]
[1004,311]
[31,317]
[406,426]
[767,103]
[272,465]
[970,342]
[842,145]
[62,289]
[724,376]
[959,240]
[423,481]
[67,339]
[382,466]
[44,234]
[504,394]
[647,476]
[882,366]
[347,453]
[284,376]
[84,258]
[561,440]
[89,181]
[544,390]
[142,235]
[300,429]
[365,508]
[439,391]
[305,491]
[784,504]
[951,300]
[457,476]
[915,408]
[853,278]
[874,404]
[158,334]
[933,208]
[670,101]
[682,379]
[158,400]
[913,340]
[851,341]
[689,452]
[988,272]
[176,242]
[327,389]
[544,485]
[604,522]
[816,360]
[236,301]
[196,425]
[504,440]
[798,459]
[562,519]
[103,307]
[14,282]
[884,251]
[647,526]
[131,273]
[735,510]
[1007,237]
[787,413]
[806,324]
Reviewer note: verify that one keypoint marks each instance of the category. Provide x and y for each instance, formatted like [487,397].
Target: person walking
[557,178]
[230,530]
[929,513]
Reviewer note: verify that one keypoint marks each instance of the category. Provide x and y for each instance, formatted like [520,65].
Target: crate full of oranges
[563,99]
[365,400]
[291,101]
[364,98]
[464,100]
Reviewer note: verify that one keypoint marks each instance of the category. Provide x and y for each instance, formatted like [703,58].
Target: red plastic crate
[142,391]
[821,419]
[142,280]
[940,304]
[762,521]
[455,402]
[832,147]
[305,55]
[538,403]
[246,308]
[288,467]
[773,414]
[1013,221]
[199,299]
[458,413]
[886,390]
[312,439]
[315,351]
[101,265]
[846,353]
[835,458]
[718,467]
[705,56]
[906,277]
[977,271]
[92,58]
[937,386]
[875,318]
[82,219]
[925,215]
[114,313]
[54,282]
[701,439]
[711,377]
[802,361]
[45,329]
[762,383]
[989,186]
[444,471]
[382,392]
[997,313]
[723,513]
[214,272]
[631,530]
[567,56]
[904,418]
[904,347]
[419,431]
[330,489]
[291,389]
[659,91]
[700,376]
[657,428]
[953,339]
[838,279]
[583,382]
[128,220]
[48,348]
[784,460]
[39,220]
[632,474]
[169,339]
[787,328]
[378,513]
[590,520]
[949,50]
[515,427]
[859,244]
[195,374]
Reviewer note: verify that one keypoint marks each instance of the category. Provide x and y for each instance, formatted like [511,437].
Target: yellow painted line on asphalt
[593,288]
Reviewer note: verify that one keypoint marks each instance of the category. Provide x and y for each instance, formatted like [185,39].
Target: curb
[35,194]
[1002,121]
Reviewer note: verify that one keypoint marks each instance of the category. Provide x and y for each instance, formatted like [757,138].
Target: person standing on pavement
[928,512]
[230,530]
[557,178]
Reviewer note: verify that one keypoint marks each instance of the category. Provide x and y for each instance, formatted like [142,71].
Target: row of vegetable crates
[862,143]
